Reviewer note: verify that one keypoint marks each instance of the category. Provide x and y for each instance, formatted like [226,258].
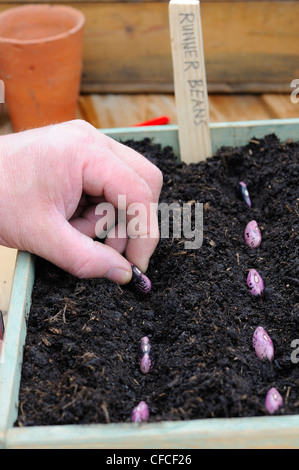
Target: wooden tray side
[227,134]
[261,432]
[14,339]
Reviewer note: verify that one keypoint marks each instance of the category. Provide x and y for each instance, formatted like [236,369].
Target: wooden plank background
[250,46]
[125,110]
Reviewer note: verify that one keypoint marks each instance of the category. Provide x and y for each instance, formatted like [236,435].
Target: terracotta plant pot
[41,63]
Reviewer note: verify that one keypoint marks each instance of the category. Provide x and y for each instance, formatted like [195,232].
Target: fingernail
[143,265]
[119,275]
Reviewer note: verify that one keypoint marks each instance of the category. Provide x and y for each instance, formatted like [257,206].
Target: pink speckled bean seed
[147,360]
[140,412]
[273,400]
[140,280]
[255,282]
[145,364]
[243,193]
[252,235]
[263,344]
[145,345]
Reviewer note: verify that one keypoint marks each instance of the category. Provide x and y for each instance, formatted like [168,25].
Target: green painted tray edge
[14,339]
[224,134]
[257,432]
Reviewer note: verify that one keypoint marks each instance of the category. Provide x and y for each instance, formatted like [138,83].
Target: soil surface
[81,358]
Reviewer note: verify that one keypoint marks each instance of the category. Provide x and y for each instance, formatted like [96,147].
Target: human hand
[52,179]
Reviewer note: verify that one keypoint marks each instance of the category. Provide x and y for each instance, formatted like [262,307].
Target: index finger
[147,170]
[108,174]
[140,248]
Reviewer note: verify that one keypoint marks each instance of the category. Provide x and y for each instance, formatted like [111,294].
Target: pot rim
[76,14]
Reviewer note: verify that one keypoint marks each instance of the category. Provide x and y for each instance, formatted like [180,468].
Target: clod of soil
[81,358]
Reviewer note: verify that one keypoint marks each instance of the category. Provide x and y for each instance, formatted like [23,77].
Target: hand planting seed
[252,235]
[147,360]
[140,280]
[255,282]
[243,193]
[273,400]
[140,412]
[263,344]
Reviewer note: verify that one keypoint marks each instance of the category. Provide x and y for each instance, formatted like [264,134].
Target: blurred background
[251,58]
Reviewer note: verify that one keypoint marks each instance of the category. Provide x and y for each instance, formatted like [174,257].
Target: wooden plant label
[189,80]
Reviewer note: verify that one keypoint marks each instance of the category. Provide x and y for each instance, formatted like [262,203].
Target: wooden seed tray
[257,432]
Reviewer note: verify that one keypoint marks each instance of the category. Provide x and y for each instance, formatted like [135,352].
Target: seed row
[261,341]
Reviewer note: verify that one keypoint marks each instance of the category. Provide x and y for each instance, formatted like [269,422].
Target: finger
[95,220]
[81,256]
[117,237]
[147,170]
[85,202]
[123,187]
[143,235]
[141,165]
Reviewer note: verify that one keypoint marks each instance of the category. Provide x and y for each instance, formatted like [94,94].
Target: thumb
[81,256]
